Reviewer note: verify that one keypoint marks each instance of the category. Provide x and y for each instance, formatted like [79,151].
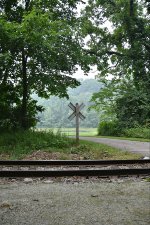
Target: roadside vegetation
[138,132]
[113,128]
[123,102]
[72,131]
[125,138]
[30,74]
[20,143]
[49,145]
[133,134]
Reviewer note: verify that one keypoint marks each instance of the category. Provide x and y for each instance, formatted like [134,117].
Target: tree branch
[114,53]
[147,46]
[107,52]
[27,3]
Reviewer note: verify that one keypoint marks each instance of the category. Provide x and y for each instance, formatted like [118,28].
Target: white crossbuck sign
[76,113]
[76,110]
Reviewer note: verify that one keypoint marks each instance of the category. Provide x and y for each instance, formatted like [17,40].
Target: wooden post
[77,123]
[76,113]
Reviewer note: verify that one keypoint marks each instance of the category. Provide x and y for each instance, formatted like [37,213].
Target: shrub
[138,132]
[19,143]
[109,128]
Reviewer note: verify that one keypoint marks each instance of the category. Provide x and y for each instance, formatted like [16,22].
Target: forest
[56,111]
[42,44]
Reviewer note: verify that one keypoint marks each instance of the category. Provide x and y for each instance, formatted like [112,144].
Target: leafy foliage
[40,47]
[56,111]
[133,109]
[47,145]
[122,52]
[138,132]
[109,128]
[125,44]
[20,143]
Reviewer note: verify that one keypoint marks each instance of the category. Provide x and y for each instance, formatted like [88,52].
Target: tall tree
[119,37]
[39,48]
[118,34]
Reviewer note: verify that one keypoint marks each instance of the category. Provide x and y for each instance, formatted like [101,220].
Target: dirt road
[142,148]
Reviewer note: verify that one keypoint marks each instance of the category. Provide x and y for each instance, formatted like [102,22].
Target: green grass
[138,132]
[125,138]
[72,131]
[147,179]
[90,132]
[102,151]
[21,144]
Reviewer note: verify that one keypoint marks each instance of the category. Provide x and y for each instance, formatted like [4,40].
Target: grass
[72,131]
[22,143]
[102,151]
[50,145]
[90,132]
[126,138]
[147,179]
[138,132]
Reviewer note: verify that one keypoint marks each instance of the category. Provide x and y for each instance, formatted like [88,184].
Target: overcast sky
[91,75]
[80,74]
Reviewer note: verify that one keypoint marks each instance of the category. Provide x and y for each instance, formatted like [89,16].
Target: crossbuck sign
[76,113]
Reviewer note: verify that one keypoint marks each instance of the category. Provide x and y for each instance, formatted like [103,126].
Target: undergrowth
[19,143]
[113,129]
[138,132]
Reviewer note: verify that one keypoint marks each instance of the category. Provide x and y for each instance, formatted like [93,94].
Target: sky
[80,74]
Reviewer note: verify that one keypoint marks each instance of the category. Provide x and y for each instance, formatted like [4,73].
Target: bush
[138,132]
[18,143]
[109,128]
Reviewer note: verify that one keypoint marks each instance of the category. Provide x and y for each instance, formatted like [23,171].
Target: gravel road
[142,148]
[121,202]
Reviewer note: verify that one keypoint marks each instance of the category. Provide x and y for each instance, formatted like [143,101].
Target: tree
[118,33]
[133,109]
[56,111]
[125,44]
[39,48]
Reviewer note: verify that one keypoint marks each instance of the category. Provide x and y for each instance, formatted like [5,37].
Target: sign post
[76,113]
[77,123]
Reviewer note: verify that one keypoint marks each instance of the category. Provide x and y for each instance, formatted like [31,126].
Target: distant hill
[57,111]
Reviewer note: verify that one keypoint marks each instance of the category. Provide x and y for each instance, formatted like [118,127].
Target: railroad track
[68,168]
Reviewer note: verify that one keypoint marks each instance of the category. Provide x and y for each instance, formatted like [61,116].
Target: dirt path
[142,148]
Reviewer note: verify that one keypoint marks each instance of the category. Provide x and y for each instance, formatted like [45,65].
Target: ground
[101,202]
[137,147]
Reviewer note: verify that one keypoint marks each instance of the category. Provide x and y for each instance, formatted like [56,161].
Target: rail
[68,172]
[70,162]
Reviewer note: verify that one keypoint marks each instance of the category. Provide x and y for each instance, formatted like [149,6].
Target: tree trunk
[24,124]
[24,119]
[27,4]
[131,7]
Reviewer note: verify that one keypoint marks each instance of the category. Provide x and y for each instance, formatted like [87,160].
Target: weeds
[139,132]
[21,143]
[147,179]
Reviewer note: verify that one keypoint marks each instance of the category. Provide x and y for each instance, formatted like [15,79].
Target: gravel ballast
[115,202]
